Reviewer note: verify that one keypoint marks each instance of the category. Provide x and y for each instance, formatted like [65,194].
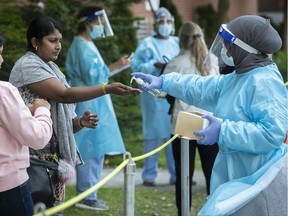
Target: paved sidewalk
[162,180]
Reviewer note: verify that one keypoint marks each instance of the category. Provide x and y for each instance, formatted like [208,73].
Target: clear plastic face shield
[218,54]
[99,18]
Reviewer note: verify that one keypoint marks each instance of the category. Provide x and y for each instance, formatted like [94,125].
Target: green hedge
[280,58]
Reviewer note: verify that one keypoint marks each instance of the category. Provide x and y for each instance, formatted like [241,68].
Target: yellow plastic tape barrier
[155,150]
[86,193]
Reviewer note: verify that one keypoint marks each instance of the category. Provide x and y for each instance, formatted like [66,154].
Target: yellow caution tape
[86,193]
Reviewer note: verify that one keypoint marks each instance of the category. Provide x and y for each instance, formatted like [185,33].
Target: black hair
[41,27]
[1,41]
[84,12]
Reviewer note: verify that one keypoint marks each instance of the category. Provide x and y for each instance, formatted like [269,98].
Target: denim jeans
[89,174]
[17,201]
[150,168]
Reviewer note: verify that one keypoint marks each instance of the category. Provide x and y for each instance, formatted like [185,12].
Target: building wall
[186,9]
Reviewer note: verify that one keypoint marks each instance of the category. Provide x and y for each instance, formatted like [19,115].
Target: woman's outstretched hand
[117,88]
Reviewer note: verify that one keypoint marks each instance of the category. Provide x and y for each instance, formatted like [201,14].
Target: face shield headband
[229,37]
[103,19]
[218,49]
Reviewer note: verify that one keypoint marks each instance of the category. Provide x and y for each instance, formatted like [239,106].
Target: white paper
[118,70]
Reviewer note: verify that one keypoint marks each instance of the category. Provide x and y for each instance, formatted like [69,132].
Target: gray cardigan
[30,69]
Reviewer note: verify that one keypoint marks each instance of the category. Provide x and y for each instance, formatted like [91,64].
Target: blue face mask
[227,60]
[165,29]
[96,32]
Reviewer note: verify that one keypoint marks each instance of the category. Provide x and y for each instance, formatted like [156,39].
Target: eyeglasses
[164,21]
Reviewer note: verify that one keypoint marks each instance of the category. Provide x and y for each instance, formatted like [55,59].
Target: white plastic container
[154,92]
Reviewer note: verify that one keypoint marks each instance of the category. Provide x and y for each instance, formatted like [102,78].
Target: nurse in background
[150,57]
[86,67]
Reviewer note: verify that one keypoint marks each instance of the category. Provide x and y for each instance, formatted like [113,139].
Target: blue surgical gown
[253,107]
[86,67]
[155,118]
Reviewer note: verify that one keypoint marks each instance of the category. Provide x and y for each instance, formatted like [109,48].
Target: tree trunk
[223,7]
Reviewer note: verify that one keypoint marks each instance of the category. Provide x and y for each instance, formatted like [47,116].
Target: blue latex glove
[153,81]
[210,134]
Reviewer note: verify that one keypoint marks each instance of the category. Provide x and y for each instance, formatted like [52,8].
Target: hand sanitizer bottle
[154,92]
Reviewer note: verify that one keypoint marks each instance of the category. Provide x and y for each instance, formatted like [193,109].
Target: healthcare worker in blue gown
[150,57]
[249,176]
[86,67]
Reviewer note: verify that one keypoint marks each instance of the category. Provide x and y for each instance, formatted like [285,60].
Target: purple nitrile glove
[210,134]
[154,82]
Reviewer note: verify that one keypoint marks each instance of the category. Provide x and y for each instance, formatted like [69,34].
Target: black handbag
[42,181]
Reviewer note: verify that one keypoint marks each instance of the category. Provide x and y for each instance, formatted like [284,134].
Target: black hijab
[259,34]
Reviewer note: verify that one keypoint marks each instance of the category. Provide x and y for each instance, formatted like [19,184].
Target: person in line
[86,67]
[37,76]
[249,175]
[21,126]
[1,50]
[150,57]
[193,51]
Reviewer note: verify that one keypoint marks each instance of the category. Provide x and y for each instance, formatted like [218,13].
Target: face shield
[165,26]
[99,18]
[218,54]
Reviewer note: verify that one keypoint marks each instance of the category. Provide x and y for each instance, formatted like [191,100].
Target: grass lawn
[150,202]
